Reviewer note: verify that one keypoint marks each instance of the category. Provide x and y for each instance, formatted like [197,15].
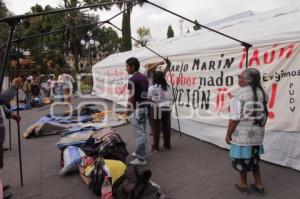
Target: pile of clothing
[102,156]
[35,102]
[89,145]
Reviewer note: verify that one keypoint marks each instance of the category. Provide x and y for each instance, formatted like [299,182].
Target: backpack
[98,176]
[111,146]
[135,185]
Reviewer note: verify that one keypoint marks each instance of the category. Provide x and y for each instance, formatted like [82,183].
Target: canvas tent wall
[210,65]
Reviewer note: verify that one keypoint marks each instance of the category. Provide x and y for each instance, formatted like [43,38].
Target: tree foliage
[3,26]
[144,35]
[57,46]
[126,44]
[170,32]
[40,48]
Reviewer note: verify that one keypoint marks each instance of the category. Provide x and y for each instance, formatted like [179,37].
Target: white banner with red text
[205,83]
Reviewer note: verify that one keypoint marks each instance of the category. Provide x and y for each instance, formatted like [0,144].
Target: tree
[109,41]
[76,18]
[144,35]
[3,26]
[197,26]
[126,43]
[170,32]
[42,49]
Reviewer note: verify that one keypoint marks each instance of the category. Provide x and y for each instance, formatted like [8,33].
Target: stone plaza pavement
[193,169]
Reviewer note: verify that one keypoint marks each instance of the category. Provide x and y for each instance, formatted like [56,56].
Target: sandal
[242,189]
[260,190]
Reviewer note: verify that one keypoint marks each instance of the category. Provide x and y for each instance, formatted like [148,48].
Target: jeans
[138,122]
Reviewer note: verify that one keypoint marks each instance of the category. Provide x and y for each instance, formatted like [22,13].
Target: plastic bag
[75,139]
[71,159]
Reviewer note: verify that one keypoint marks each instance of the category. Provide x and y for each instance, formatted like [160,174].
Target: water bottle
[106,189]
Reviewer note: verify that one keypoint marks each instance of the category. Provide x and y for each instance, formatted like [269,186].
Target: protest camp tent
[209,65]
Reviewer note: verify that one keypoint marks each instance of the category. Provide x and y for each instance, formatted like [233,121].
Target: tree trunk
[126,31]
[76,57]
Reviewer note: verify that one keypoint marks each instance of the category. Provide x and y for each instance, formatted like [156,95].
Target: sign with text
[204,84]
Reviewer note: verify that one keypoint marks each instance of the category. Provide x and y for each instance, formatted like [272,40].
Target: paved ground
[191,170]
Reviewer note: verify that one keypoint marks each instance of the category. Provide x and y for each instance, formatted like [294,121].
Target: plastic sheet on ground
[71,159]
[15,108]
[65,125]
[75,139]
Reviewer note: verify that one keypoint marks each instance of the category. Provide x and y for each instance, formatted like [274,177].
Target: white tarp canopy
[276,52]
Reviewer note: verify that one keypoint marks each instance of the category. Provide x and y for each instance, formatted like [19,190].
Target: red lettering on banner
[269,58]
[230,96]
[222,92]
[120,90]
[288,50]
[115,73]
[181,80]
[255,58]
[243,58]
[272,101]
[266,57]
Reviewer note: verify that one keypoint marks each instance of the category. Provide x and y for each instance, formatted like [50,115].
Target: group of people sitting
[50,87]
[32,87]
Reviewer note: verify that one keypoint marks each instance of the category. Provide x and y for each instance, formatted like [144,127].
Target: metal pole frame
[9,119]
[12,24]
[18,113]
[91,6]
[14,20]
[166,59]
[51,32]
[244,44]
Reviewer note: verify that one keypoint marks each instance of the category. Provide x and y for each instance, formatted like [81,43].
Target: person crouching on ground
[5,98]
[28,92]
[160,94]
[137,104]
[245,133]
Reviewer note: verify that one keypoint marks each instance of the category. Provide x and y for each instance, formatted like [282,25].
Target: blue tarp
[21,107]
